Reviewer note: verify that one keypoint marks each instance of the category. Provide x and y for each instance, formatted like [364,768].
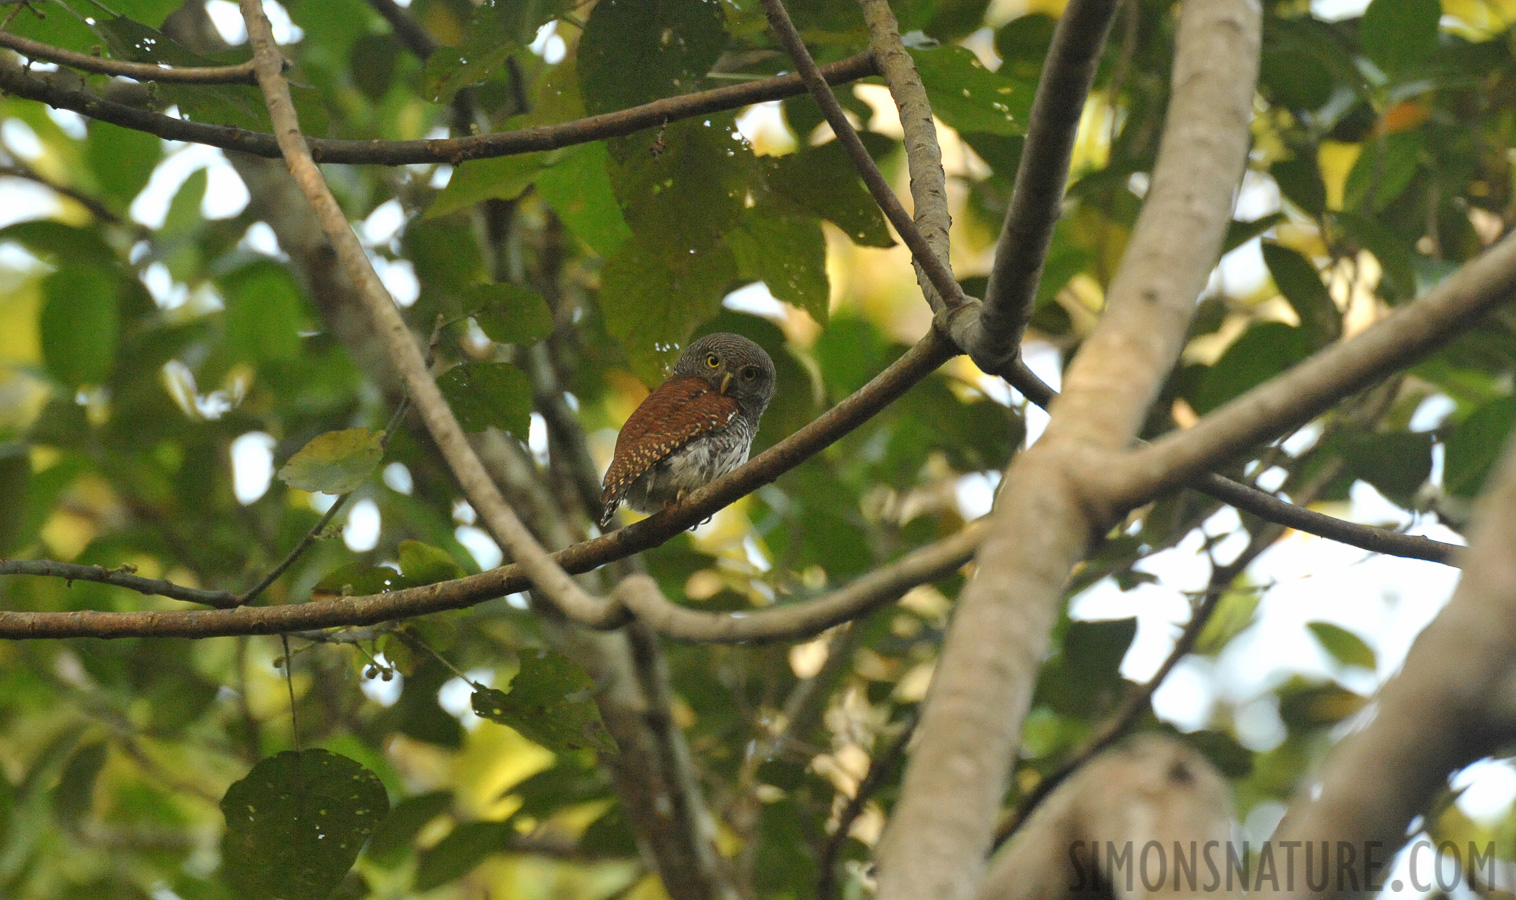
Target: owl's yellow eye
[712,361]
[749,373]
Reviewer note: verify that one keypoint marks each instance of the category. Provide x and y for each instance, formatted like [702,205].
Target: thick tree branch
[1286,401]
[15,79]
[936,267]
[1440,713]
[923,155]
[1151,790]
[803,620]
[1249,499]
[123,578]
[242,73]
[991,333]
[1048,509]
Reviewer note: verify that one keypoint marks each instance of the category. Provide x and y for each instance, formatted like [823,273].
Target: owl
[695,427]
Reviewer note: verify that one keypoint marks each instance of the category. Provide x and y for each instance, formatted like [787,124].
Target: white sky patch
[1047,363]
[399,278]
[260,239]
[383,224]
[22,201]
[361,533]
[755,299]
[252,466]
[1491,790]
[457,696]
[384,693]
[480,545]
[398,478]
[20,139]
[225,194]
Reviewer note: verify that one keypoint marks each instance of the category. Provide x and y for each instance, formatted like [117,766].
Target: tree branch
[936,268]
[1152,790]
[1454,306]
[242,73]
[1440,713]
[798,621]
[1049,506]
[15,79]
[121,577]
[923,155]
[990,333]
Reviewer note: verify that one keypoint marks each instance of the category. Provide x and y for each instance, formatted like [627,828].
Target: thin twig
[936,268]
[242,73]
[15,79]
[121,577]
[922,153]
[315,531]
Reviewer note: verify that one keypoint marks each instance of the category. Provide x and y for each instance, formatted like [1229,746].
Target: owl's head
[733,365]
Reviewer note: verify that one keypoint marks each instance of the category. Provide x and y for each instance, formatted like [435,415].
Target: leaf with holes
[489,395]
[295,824]
[510,313]
[335,462]
[549,702]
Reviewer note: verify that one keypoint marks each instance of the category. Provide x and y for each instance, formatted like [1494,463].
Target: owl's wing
[680,410]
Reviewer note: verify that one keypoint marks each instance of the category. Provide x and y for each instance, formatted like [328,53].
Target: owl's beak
[726,382]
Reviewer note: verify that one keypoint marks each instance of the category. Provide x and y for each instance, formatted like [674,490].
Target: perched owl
[695,427]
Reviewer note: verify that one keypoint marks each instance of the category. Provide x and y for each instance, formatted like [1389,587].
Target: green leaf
[424,564]
[652,298]
[970,97]
[1399,33]
[335,462]
[1313,706]
[1300,181]
[473,182]
[1343,645]
[549,703]
[1383,171]
[1222,750]
[823,180]
[509,313]
[1262,352]
[359,579]
[1301,284]
[579,190]
[457,854]
[1398,283]
[1475,445]
[80,325]
[1233,614]
[633,52]
[295,824]
[703,166]
[75,794]
[489,395]
[1397,463]
[122,159]
[788,254]
[15,481]
[263,312]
